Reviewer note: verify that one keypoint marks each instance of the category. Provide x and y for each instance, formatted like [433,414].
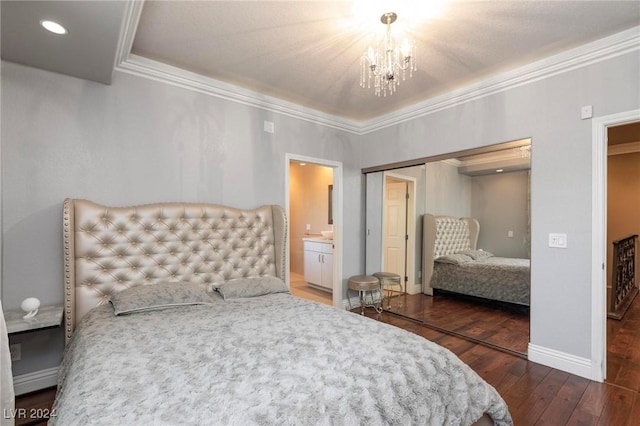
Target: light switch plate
[586,112]
[558,240]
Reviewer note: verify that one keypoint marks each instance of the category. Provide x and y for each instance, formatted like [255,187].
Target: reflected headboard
[109,249]
[442,235]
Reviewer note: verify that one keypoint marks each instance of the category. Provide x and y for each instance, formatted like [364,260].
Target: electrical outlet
[16,352]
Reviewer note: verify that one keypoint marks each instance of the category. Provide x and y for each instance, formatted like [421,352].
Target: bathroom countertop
[318,239]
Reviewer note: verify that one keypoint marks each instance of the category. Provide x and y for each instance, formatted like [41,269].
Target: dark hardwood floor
[535,394]
[623,349]
[540,395]
[498,325]
[34,408]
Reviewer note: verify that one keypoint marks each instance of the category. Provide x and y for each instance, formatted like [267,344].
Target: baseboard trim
[37,380]
[579,366]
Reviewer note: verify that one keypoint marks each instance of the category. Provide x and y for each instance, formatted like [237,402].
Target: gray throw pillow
[159,296]
[476,254]
[454,259]
[250,287]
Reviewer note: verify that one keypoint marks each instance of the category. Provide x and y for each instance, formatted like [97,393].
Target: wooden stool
[363,284]
[388,279]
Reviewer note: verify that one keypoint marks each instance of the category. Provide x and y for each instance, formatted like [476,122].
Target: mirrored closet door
[415,232]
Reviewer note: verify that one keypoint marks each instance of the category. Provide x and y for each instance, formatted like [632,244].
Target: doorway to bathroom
[313,200]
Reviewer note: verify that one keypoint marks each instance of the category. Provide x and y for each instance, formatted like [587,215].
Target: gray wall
[448,192]
[548,111]
[137,141]
[143,141]
[499,203]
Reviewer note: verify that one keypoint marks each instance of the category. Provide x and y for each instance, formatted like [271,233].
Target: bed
[178,314]
[452,263]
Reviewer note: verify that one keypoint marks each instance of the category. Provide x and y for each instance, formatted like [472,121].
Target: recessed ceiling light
[303,164]
[53,26]
[499,170]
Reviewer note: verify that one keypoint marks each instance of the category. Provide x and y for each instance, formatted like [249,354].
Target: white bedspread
[269,360]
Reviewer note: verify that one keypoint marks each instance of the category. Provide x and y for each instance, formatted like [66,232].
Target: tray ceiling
[308,52]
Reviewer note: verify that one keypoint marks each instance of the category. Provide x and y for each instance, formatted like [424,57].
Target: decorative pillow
[476,254]
[250,287]
[159,296]
[454,259]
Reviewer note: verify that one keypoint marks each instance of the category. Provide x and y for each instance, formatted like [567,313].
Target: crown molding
[597,51]
[495,157]
[509,159]
[452,162]
[130,21]
[608,47]
[154,70]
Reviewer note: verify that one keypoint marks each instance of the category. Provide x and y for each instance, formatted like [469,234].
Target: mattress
[496,278]
[272,359]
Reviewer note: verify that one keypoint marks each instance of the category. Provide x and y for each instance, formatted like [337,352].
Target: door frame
[599,238]
[338,290]
[411,225]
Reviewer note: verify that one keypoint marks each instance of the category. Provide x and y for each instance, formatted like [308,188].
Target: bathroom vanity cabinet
[318,262]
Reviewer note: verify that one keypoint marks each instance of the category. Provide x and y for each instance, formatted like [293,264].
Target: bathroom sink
[327,235]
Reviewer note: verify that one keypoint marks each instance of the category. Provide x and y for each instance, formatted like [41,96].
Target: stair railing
[623,283]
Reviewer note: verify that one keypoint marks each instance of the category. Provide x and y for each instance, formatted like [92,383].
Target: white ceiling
[88,51]
[307,52]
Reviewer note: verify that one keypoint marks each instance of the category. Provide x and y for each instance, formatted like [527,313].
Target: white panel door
[395,228]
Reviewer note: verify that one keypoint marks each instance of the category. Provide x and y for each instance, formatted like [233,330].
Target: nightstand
[34,398]
[47,317]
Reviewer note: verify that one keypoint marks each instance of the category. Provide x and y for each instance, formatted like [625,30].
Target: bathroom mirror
[489,184]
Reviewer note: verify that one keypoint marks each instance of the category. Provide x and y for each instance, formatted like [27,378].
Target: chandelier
[385,65]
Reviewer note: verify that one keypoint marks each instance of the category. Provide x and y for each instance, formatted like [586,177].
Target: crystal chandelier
[385,65]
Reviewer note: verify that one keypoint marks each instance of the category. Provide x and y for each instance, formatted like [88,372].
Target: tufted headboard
[444,235]
[109,249]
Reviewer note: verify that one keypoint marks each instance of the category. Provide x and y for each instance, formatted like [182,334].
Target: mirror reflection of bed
[424,199]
